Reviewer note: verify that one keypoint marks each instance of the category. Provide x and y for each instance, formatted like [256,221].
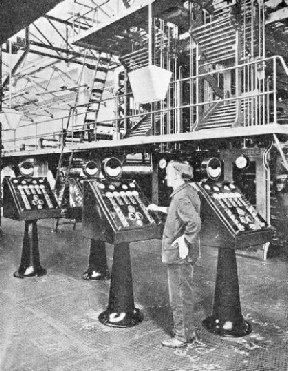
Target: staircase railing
[262,103]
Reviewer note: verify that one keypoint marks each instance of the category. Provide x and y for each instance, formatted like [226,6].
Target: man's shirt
[183,218]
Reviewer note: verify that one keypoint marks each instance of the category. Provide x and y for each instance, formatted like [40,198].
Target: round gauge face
[124,186]
[162,163]
[206,186]
[132,185]
[241,162]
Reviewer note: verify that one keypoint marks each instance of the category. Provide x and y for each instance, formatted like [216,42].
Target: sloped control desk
[29,199]
[116,212]
[230,222]
[230,217]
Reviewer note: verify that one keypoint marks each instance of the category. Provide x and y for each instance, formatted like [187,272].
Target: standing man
[180,250]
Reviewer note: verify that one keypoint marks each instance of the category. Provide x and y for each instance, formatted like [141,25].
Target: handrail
[261,100]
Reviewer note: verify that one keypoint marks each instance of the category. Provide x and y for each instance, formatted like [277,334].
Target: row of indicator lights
[32,189]
[217,188]
[226,195]
[112,187]
[23,181]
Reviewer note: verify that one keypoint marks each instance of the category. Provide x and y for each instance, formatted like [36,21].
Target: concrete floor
[51,322]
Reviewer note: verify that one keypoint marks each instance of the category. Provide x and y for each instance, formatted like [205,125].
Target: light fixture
[26,168]
[112,168]
[212,167]
[90,169]
[242,162]
[162,163]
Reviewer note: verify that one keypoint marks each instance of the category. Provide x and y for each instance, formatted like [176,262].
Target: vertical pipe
[10,74]
[191,83]
[127,110]
[0,157]
[274,89]
[252,29]
[264,56]
[268,191]
[1,97]
[197,84]
[237,75]
[168,128]
[149,33]
[256,108]
[116,102]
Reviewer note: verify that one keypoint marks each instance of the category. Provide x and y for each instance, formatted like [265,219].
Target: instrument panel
[26,198]
[224,204]
[123,206]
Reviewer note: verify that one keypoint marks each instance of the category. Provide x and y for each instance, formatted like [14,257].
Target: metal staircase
[226,39]
[139,58]
[144,127]
[216,40]
[223,115]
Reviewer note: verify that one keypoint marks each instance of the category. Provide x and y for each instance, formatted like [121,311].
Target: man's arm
[154,207]
[190,218]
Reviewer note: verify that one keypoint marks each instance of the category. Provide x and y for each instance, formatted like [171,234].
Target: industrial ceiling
[16,15]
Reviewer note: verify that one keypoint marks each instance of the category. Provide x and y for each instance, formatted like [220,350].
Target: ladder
[61,194]
[95,97]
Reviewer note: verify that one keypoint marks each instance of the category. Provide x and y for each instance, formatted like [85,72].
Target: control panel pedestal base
[226,318]
[121,311]
[30,260]
[97,267]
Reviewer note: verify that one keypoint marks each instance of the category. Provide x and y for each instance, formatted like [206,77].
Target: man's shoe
[174,343]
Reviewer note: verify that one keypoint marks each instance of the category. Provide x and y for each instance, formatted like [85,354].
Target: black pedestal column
[226,318]
[97,268]
[30,260]
[121,311]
